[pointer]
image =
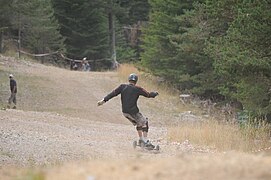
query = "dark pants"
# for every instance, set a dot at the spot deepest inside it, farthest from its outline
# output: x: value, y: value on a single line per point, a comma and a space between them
x: 12, y: 99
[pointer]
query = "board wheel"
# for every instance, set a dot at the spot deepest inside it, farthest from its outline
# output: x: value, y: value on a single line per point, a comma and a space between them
x: 157, y: 148
x: 142, y: 145
x: 134, y: 144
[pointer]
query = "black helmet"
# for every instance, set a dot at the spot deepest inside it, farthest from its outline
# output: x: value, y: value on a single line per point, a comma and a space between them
x: 133, y: 77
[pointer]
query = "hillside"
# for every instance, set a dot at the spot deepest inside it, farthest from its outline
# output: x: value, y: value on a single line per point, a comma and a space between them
x: 58, y: 132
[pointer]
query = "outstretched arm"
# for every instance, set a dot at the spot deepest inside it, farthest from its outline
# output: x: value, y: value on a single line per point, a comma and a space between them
x: 147, y: 94
x: 114, y: 93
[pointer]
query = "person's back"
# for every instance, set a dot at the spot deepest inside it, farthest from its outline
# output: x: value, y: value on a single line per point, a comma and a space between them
x: 129, y: 97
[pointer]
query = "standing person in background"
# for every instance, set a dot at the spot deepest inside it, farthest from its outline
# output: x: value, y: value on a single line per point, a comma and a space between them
x: 13, y: 89
x: 83, y: 64
x: 74, y: 65
x: 87, y: 67
x: 129, y: 96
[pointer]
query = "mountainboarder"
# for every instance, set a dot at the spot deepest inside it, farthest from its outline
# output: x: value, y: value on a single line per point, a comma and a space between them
x: 129, y: 96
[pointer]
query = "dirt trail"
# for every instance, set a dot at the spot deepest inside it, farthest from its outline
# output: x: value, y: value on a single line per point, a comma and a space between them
x: 58, y: 125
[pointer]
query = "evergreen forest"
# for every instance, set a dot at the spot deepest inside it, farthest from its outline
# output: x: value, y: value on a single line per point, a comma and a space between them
x: 214, y: 49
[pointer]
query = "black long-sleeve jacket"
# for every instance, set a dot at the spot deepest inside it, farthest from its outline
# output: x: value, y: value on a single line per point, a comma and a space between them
x: 129, y: 96
x: 13, y: 86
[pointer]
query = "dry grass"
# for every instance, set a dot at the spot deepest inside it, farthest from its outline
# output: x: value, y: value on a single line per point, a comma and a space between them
x: 223, y: 136
x: 10, y: 48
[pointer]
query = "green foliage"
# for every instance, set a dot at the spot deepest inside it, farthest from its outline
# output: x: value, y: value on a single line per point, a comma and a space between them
x: 160, y: 55
x: 84, y: 25
x: 175, y: 43
x: 138, y: 11
x: 42, y: 32
x: 213, y: 49
x: 4, y: 15
x: 37, y: 25
x: 132, y: 15
x: 125, y: 54
x: 4, y: 19
x: 242, y: 55
x: 252, y: 92
x: 190, y: 42
x: 131, y: 11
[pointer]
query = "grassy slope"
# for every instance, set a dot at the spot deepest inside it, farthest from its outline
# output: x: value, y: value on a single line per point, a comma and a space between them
x: 46, y: 88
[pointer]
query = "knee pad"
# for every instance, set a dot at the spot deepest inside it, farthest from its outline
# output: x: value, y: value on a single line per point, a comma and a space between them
x: 139, y: 128
x: 146, y: 129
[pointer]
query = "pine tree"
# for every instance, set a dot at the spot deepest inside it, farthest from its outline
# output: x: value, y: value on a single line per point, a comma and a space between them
x: 139, y: 11
x: 43, y: 34
x: 38, y: 31
x: 132, y: 15
x: 160, y: 55
x: 84, y: 26
x: 195, y: 70
x: 242, y: 55
x: 4, y: 19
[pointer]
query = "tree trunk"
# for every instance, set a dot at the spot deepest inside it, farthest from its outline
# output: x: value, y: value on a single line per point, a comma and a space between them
x: 112, y: 35
x: 19, y: 36
x: 19, y: 42
x: 1, y: 41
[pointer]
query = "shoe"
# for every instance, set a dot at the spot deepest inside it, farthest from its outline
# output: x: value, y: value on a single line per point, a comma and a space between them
x: 141, y: 142
x: 146, y: 144
x: 149, y: 145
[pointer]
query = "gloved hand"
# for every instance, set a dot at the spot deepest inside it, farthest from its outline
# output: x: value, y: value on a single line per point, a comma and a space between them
x: 153, y: 94
x: 101, y: 102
